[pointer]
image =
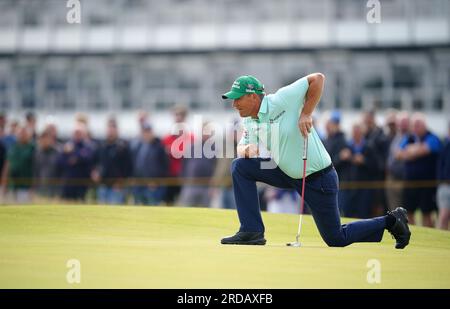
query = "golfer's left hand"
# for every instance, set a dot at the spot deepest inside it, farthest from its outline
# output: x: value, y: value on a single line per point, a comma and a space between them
x: 305, y: 123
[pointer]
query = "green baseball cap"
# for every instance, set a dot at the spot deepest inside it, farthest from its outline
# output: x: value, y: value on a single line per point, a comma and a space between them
x: 243, y: 85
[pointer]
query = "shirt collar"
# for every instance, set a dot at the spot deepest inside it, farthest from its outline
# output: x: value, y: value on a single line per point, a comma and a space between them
x: 263, y: 107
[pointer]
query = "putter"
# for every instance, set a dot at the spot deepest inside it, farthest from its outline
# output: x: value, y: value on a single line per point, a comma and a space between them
x: 296, y: 243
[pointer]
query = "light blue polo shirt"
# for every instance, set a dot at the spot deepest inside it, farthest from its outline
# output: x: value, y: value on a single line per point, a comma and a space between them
x: 276, y: 130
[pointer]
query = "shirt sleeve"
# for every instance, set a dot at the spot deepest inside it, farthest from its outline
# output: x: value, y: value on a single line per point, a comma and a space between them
x: 295, y: 92
x: 433, y: 144
x: 403, y: 143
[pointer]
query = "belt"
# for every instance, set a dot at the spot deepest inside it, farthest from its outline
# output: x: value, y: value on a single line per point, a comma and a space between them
x: 321, y: 172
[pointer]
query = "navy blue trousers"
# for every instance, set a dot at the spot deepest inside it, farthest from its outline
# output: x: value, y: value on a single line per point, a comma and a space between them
x: 320, y: 196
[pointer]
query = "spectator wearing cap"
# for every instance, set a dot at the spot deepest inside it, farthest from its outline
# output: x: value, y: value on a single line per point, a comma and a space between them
x: 420, y: 152
x: 113, y: 167
x: 150, y: 163
x: 443, y: 193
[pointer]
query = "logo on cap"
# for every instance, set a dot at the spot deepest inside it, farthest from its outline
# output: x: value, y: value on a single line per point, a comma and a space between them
x: 250, y: 88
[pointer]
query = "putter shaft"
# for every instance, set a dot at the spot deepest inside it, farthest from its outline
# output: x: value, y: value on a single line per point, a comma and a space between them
x: 305, y: 157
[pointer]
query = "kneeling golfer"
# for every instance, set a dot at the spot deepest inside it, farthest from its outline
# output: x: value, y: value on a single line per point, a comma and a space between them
x: 290, y: 111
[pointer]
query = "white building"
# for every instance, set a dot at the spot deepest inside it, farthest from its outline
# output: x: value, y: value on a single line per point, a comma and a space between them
x: 132, y: 54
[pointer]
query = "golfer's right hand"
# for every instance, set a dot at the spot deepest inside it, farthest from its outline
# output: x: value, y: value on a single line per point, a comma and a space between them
x: 305, y: 123
x: 248, y: 151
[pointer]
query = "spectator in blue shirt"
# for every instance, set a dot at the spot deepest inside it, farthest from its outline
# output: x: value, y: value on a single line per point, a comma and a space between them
x: 443, y: 195
x: 420, y: 152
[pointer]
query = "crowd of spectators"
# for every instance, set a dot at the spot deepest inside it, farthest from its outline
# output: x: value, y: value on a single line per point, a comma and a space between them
x: 146, y: 170
x: 400, y: 163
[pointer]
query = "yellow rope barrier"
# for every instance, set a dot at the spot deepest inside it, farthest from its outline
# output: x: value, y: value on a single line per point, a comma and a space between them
x: 206, y: 181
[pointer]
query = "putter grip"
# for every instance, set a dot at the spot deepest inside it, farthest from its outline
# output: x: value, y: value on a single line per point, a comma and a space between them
x: 305, y: 148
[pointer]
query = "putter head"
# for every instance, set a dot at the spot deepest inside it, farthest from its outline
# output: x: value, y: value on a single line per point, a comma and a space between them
x: 293, y: 244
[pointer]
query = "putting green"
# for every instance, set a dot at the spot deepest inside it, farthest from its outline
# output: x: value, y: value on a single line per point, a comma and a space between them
x: 169, y: 247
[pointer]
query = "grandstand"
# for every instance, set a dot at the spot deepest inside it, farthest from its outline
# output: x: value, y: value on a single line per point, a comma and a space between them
x: 131, y: 54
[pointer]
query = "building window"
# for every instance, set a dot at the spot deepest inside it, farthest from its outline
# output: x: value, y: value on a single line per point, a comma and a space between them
x: 26, y: 85
x: 122, y: 85
x: 406, y: 76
